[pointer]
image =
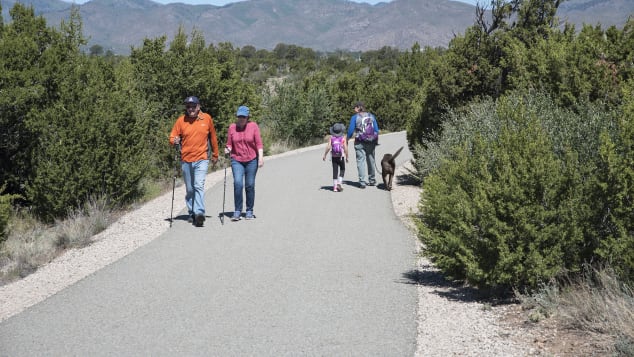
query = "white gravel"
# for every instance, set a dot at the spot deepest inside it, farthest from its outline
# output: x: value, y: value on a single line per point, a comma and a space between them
x: 450, y: 322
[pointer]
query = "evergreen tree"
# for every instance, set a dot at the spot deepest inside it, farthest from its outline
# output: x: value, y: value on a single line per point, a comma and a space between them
x: 25, y: 88
x: 88, y: 141
x: 299, y: 111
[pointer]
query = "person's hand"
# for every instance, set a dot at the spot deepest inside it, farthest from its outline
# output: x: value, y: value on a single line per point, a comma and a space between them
x: 227, y: 150
x: 214, y: 161
x: 260, y: 162
x: 324, y: 158
x: 177, y: 140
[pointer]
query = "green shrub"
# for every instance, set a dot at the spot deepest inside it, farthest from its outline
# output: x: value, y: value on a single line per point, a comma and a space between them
x: 458, y: 126
x: 501, y: 211
x: 567, y: 129
x: 613, y: 195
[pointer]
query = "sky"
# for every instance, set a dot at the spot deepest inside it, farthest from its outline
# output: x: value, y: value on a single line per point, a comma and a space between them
x: 224, y: 2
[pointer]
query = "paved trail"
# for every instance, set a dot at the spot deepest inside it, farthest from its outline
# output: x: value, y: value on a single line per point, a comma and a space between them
x: 317, y: 273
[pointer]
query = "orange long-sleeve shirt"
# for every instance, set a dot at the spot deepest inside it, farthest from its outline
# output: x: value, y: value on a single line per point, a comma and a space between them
x: 194, y: 134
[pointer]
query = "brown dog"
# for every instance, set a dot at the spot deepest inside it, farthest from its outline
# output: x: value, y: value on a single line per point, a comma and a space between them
x: 388, y: 166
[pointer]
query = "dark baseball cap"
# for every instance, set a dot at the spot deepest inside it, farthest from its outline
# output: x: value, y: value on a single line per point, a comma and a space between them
x: 192, y: 100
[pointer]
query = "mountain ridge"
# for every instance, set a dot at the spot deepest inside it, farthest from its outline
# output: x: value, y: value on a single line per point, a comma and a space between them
x: 323, y: 25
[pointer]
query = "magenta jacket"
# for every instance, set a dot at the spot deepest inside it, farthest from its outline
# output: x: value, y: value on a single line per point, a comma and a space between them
x: 244, y: 144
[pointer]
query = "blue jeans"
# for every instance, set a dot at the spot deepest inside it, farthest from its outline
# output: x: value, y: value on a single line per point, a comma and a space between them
x: 194, y: 174
x: 244, y: 178
x: 364, y: 152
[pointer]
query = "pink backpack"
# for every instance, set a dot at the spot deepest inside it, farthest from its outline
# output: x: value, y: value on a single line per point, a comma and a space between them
x: 336, y: 144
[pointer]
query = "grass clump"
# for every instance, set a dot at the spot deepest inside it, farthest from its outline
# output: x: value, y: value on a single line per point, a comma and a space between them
x: 595, y: 302
x: 31, y: 243
x: 599, y: 302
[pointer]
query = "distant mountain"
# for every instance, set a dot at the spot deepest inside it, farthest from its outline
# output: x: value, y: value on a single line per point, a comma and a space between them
x: 319, y: 24
x: 593, y: 12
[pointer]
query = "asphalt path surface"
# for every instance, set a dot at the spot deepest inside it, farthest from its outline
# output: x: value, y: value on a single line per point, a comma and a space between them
x: 317, y: 273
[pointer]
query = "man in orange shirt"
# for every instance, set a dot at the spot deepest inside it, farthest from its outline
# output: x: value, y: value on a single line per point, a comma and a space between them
x: 193, y: 133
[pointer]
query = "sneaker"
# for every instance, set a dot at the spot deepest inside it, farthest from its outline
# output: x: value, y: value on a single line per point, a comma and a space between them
x: 190, y: 219
x: 249, y: 215
x: 372, y: 184
x: 362, y: 186
x: 334, y: 188
x: 200, y: 219
x: 236, y: 216
x: 339, y: 187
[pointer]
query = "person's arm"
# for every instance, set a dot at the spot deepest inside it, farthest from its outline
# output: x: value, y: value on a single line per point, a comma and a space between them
x: 259, y: 144
x: 376, y: 125
x: 351, y: 127
x: 175, y: 134
x: 260, y: 157
x: 345, y: 149
x: 328, y: 144
x: 229, y: 144
x: 214, y: 140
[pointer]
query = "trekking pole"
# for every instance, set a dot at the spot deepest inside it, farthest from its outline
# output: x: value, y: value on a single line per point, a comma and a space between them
x: 224, y: 190
x: 176, y: 160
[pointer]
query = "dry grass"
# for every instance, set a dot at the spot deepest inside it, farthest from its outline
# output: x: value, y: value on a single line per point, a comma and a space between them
x: 78, y: 229
x: 279, y: 147
x: 600, y: 303
x: 30, y: 244
x: 596, y: 303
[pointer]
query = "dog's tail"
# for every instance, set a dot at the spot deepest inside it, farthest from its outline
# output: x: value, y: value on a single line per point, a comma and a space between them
x: 396, y: 154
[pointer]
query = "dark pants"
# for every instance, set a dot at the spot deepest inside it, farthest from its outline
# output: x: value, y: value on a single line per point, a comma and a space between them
x: 338, y: 167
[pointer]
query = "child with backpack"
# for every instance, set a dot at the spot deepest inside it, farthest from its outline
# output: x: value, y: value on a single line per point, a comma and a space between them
x: 338, y: 146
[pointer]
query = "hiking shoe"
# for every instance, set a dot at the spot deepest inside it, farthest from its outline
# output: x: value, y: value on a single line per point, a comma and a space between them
x: 200, y: 219
x: 236, y: 216
x: 249, y: 215
x: 339, y: 187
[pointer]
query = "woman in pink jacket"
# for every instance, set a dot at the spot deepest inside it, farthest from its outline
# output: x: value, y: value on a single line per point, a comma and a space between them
x: 244, y: 143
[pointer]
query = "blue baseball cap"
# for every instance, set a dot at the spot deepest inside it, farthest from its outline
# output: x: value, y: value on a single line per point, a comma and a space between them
x: 192, y: 100
x: 243, y: 111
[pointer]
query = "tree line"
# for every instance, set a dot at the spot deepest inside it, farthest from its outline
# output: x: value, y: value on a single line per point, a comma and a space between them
x: 522, y: 128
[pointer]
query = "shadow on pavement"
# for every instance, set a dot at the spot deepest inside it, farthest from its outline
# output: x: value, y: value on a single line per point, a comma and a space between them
x: 182, y: 217
x: 430, y: 276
